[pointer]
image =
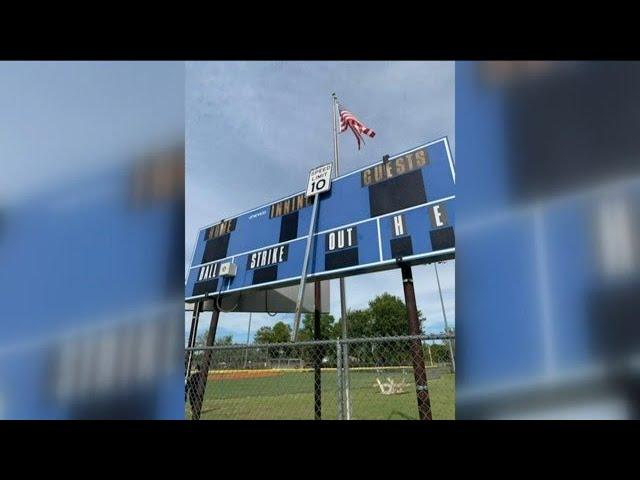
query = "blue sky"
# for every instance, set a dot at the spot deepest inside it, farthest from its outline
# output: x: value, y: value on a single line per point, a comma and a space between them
x: 254, y: 129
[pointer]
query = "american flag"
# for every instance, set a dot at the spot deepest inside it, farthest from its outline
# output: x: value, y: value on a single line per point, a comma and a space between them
x: 349, y: 120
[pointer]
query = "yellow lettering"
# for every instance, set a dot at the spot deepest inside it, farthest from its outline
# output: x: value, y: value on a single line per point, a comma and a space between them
x: 378, y: 173
x: 410, y: 161
x: 421, y: 158
x: 400, y: 168
x: 389, y: 170
x: 366, y: 177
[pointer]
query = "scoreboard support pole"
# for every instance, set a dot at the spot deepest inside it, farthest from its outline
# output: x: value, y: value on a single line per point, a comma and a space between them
x: 206, y: 364
x: 305, y: 267
x: 415, y: 345
x: 317, y: 364
x: 195, y: 318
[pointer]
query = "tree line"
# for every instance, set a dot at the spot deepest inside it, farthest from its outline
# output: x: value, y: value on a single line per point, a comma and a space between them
x: 385, y: 316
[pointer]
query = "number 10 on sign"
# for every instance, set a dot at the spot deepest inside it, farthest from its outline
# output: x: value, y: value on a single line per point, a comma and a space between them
x: 319, y: 180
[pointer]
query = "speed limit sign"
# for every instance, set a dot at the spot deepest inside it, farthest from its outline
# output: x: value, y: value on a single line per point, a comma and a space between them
x: 319, y: 180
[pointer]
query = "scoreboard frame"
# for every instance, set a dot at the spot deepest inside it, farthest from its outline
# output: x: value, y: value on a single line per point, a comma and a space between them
x: 379, y: 265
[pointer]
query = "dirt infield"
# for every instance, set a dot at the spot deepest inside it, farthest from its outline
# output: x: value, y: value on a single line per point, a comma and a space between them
x: 243, y: 374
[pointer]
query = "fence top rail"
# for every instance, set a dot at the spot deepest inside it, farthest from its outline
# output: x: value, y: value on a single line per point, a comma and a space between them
x: 431, y: 336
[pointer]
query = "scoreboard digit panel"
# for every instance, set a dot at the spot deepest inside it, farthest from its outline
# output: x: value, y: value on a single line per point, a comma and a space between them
x: 400, y: 207
x: 428, y: 227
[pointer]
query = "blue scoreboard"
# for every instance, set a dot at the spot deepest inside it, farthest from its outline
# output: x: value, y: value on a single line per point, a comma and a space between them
x: 399, y: 208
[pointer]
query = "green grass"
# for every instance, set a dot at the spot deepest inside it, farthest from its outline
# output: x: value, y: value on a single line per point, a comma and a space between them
x: 290, y: 396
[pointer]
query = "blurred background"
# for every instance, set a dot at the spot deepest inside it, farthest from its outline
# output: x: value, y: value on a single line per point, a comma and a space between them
x: 91, y: 239
x: 548, y: 264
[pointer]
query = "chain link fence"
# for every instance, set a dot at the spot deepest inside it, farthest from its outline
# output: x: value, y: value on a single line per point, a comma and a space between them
x: 361, y: 378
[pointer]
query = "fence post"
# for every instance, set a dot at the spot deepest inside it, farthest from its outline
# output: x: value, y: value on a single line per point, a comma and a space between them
x: 340, y: 379
x: 206, y: 363
x: 317, y: 372
x: 346, y: 393
x: 417, y: 355
x: 193, y: 333
x: 444, y: 315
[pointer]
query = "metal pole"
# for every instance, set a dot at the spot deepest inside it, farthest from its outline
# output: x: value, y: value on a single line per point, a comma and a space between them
x: 345, y: 350
x: 318, y: 354
x: 343, y: 294
x: 339, y: 376
x: 446, y: 326
x: 206, y: 364
x: 193, y: 332
x: 246, y: 352
x: 303, y: 278
x: 335, y: 133
x: 417, y: 354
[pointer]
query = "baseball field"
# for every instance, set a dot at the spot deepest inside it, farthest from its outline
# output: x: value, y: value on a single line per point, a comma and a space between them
x: 288, y: 394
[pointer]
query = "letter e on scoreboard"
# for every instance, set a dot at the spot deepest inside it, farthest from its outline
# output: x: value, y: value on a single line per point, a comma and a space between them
x: 438, y: 215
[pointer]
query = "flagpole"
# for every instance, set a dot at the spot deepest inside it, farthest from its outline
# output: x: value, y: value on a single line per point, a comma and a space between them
x: 343, y: 298
x: 335, y: 135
